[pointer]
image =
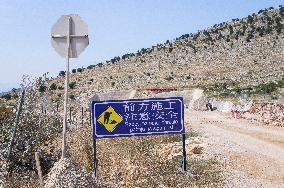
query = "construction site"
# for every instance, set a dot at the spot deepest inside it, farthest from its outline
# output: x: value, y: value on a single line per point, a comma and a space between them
x: 231, y: 79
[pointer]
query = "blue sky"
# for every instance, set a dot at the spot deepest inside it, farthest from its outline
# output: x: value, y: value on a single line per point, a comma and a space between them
x: 116, y: 27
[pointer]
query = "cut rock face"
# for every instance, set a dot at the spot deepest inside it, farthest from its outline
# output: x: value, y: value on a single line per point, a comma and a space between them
x: 193, y: 99
x: 117, y: 95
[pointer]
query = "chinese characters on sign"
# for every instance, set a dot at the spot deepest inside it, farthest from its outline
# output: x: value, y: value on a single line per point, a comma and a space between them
x: 138, y: 117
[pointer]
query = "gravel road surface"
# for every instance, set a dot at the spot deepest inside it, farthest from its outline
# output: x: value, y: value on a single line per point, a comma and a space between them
x: 252, y: 153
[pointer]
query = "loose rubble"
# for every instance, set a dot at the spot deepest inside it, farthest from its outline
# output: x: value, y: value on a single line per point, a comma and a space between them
x: 65, y: 173
x: 268, y: 113
x: 196, y: 60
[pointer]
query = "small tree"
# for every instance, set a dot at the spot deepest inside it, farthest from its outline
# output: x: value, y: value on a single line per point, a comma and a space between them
x: 90, y: 66
x: 228, y: 38
x: 281, y: 11
x: 79, y: 70
x: 219, y: 36
x: 268, y: 29
x: 231, y: 29
x: 260, y: 11
x: 72, y: 85
x: 42, y: 88
x: 169, y: 78
x: 73, y: 71
x: 250, y: 36
x: 72, y: 97
x: 60, y: 88
x: 250, y: 19
x: 62, y: 73
x: 7, y: 96
x: 53, y: 86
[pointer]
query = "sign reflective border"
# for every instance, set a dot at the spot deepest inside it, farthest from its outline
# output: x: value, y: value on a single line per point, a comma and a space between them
x: 138, y: 117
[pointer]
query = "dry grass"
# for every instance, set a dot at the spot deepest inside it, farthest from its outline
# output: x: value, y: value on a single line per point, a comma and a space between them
x: 134, y: 161
x: 16, y: 181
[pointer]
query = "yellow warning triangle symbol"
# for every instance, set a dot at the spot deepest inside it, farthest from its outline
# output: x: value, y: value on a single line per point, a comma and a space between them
x: 110, y: 119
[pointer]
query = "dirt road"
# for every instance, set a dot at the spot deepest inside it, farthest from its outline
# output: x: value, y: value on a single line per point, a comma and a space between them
x: 252, y: 154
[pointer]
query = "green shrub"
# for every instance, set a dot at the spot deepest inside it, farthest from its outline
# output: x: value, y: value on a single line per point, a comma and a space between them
x: 280, y: 83
x: 72, y: 85
x: 60, y: 87
x: 72, y: 96
x: 53, y: 86
x: 79, y: 70
x: 169, y: 78
x: 267, y: 88
x: 42, y: 88
x: 62, y: 73
x: 7, y: 96
x: 250, y: 19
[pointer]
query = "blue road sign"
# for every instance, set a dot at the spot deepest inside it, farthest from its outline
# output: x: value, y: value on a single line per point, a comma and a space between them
x: 138, y: 117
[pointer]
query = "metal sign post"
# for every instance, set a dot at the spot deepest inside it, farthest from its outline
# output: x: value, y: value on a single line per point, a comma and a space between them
x: 138, y: 117
x: 16, y: 122
x: 69, y: 37
x: 183, y: 153
x: 66, y: 92
x: 82, y: 116
x: 95, y: 158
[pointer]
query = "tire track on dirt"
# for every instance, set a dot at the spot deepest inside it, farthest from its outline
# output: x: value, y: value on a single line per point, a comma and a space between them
x: 255, y: 152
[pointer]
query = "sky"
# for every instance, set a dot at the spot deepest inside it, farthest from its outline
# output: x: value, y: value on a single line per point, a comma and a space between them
x: 116, y: 27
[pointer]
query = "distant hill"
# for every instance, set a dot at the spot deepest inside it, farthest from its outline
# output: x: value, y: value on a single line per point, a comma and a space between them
x: 7, y: 92
x: 243, y: 54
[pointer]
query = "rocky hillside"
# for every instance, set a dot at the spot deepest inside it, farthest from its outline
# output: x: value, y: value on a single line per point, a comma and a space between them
x: 242, y: 54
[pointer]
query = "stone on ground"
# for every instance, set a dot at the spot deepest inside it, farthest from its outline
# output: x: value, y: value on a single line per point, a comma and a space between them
x: 67, y: 174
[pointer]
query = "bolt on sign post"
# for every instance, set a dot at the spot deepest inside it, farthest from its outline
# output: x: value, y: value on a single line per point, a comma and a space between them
x: 138, y: 117
x: 69, y: 37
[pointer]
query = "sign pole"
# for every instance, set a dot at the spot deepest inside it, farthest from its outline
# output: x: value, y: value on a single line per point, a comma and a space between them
x: 94, y: 149
x: 90, y: 120
x: 183, y: 153
x: 82, y: 114
x: 61, y: 40
x: 155, y: 113
x: 66, y: 92
x: 16, y: 122
x: 70, y: 114
x: 95, y: 157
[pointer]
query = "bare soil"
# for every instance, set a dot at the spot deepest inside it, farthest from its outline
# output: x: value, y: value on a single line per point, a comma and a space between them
x: 252, y: 153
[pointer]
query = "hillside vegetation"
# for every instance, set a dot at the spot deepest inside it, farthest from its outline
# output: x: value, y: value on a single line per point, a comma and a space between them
x: 244, y: 54
x: 229, y: 59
